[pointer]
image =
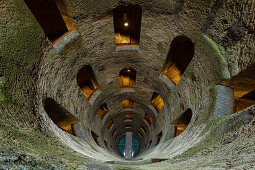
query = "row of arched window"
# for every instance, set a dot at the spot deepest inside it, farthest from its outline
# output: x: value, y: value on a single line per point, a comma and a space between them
x: 126, y: 18
x: 127, y: 25
x: 87, y: 82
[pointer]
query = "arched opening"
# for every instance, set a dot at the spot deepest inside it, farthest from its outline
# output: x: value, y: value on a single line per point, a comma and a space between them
x: 127, y: 116
x: 159, y: 136
x: 127, y: 25
x: 110, y: 123
x: 182, y: 122
x: 102, y: 111
x: 86, y: 80
x: 243, y: 86
x: 53, y: 16
x: 95, y: 137
x: 148, y: 118
x: 127, y: 78
x: 157, y: 101
x: 59, y: 115
x: 127, y: 103
x: 179, y: 57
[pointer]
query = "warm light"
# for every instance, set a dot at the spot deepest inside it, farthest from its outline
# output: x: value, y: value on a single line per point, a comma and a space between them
x: 128, y: 70
x: 126, y: 24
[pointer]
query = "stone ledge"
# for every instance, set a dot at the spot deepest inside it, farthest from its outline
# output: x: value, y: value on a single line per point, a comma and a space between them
x: 67, y: 38
x: 167, y: 81
x: 94, y: 96
x: 127, y: 47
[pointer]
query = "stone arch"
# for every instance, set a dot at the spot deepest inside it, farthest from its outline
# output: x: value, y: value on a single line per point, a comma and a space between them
x: 127, y: 26
x: 179, y: 57
x: 102, y: 111
x: 127, y: 78
x: 157, y: 101
x: 182, y: 122
x: 59, y: 115
x: 86, y: 80
x: 54, y: 17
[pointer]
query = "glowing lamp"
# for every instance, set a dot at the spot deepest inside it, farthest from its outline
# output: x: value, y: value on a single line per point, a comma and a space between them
x: 126, y: 24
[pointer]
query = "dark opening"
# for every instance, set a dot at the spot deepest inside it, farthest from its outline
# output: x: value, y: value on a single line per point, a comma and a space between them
x: 49, y: 17
x: 128, y: 117
x: 127, y: 126
x: 86, y: 80
x: 127, y: 78
x: 157, y: 101
x: 159, y: 136
x: 109, y: 124
x: 102, y: 111
x: 182, y: 122
x: 148, y: 118
x: 127, y: 24
x: 95, y: 137
x: 150, y: 142
x: 59, y: 115
x: 105, y: 143
x: 179, y: 57
x: 127, y: 103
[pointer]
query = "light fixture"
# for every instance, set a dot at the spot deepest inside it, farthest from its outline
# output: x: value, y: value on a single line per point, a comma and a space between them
x: 126, y: 24
x: 125, y: 20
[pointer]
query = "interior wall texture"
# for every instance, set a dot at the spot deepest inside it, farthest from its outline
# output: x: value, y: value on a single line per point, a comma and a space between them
x: 31, y: 70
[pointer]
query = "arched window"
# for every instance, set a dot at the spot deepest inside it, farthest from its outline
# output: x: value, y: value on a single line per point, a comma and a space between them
x: 109, y: 124
x: 127, y: 103
x: 95, y: 137
x: 127, y: 116
x: 159, y: 136
x: 53, y: 16
x: 148, y: 118
x: 86, y: 80
x: 180, y: 55
x: 157, y: 101
x: 59, y: 115
x: 127, y: 78
x: 127, y: 25
x: 102, y: 111
x: 182, y: 122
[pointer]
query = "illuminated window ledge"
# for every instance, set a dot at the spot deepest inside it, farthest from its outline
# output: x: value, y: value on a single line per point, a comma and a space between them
x: 167, y: 81
x: 120, y: 47
x: 94, y: 96
x: 127, y: 90
x: 67, y: 38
